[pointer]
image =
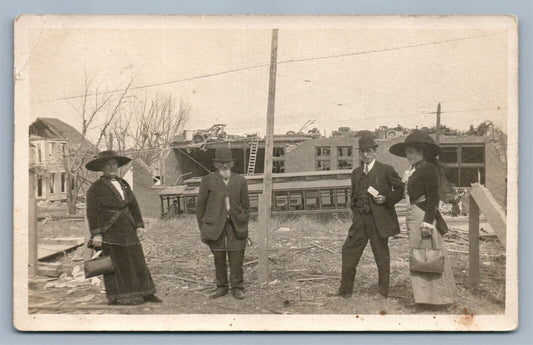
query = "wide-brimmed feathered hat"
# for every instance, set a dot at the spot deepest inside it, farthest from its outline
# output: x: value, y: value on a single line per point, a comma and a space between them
x: 99, y: 161
x: 416, y: 137
x: 223, y: 154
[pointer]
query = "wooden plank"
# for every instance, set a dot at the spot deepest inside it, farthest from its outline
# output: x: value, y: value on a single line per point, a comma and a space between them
x: 87, y: 307
x: 47, y: 249
x: 473, y: 244
x: 262, y: 240
x: 491, y: 209
x: 62, y: 240
x: 48, y: 271
x: 50, y: 264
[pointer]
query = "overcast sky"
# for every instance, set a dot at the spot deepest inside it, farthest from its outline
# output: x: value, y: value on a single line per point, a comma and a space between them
x: 362, y: 91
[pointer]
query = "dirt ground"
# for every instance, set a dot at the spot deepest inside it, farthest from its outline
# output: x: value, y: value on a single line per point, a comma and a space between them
x: 305, y: 263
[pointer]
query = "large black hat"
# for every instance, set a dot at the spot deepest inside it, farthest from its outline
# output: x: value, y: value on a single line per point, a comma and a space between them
x: 223, y: 154
x: 416, y: 137
x: 99, y: 161
x: 367, y: 141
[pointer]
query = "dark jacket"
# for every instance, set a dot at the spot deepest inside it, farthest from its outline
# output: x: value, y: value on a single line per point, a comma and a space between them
x: 425, y: 182
x: 384, y: 178
x: 211, y: 208
x: 116, y: 219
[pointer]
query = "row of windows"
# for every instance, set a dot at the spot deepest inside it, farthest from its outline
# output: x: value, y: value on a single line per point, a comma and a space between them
x: 55, y: 151
x: 52, y: 181
x: 342, y: 164
x: 462, y: 154
x: 464, y: 164
x: 342, y: 151
x: 283, y: 201
x: 329, y: 198
x: 464, y: 177
x: 344, y: 158
x: 310, y: 200
x: 449, y: 154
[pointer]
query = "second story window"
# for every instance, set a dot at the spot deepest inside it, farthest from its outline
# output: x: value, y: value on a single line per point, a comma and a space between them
x: 51, y: 148
x: 322, y: 152
x: 278, y: 152
x: 344, y: 157
x: 39, y: 153
x: 344, y: 151
x: 322, y: 158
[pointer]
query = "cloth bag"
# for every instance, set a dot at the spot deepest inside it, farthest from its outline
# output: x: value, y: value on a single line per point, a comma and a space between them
x: 427, y: 260
x: 102, y: 264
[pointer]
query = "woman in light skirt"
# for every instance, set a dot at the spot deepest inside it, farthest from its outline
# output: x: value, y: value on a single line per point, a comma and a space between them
x: 424, y: 222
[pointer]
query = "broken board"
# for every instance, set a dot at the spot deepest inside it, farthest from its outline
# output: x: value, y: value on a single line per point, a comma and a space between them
x: 48, y: 247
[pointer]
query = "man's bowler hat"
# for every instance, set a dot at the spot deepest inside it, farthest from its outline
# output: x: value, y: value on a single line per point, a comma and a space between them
x: 367, y: 142
x: 223, y: 154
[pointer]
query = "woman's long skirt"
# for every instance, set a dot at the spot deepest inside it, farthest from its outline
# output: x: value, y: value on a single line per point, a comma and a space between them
x: 429, y: 288
x: 131, y: 277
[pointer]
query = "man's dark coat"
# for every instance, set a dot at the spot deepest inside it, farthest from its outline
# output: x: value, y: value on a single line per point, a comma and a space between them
x: 211, y: 207
x: 384, y: 178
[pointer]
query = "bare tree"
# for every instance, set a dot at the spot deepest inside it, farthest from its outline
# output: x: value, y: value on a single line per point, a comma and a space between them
x: 98, y: 110
x: 152, y: 125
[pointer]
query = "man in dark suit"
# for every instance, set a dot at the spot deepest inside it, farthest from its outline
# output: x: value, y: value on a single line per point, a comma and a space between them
x: 376, y: 188
x: 223, y: 212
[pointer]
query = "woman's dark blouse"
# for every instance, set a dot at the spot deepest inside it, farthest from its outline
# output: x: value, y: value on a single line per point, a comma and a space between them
x: 425, y: 181
x: 103, y: 201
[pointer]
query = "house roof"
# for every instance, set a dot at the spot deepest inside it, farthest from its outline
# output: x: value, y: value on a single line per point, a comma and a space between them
x: 52, y: 128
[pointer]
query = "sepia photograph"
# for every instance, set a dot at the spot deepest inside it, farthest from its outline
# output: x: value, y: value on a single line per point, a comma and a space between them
x: 265, y: 173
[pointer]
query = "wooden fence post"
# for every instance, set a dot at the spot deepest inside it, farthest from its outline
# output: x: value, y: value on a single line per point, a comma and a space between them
x: 262, y: 238
x: 32, y: 227
x: 473, y: 243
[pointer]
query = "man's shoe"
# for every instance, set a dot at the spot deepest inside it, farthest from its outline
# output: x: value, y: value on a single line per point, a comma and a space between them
x: 238, y: 293
x: 219, y: 292
x: 152, y: 298
x: 340, y: 294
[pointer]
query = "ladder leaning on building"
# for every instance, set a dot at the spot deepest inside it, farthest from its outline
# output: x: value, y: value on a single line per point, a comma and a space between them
x: 254, y: 146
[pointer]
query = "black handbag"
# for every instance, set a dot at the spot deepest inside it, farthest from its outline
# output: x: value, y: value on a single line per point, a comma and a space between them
x: 102, y: 264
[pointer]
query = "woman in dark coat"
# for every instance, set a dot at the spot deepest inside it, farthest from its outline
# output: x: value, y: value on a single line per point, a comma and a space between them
x: 115, y: 223
x: 424, y: 222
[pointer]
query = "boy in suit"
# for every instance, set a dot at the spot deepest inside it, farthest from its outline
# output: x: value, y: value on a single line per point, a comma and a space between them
x: 376, y: 188
x: 223, y: 212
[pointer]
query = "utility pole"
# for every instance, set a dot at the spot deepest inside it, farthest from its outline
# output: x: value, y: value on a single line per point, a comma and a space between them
x: 265, y: 201
x: 437, y: 128
x: 110, y: 144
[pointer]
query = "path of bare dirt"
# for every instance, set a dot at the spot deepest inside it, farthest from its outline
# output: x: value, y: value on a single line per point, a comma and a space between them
x: 305, y: 264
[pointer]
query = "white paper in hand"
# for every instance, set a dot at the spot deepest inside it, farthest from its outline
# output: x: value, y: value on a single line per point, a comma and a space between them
x: 372, y: 191
x: 96, y: 254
